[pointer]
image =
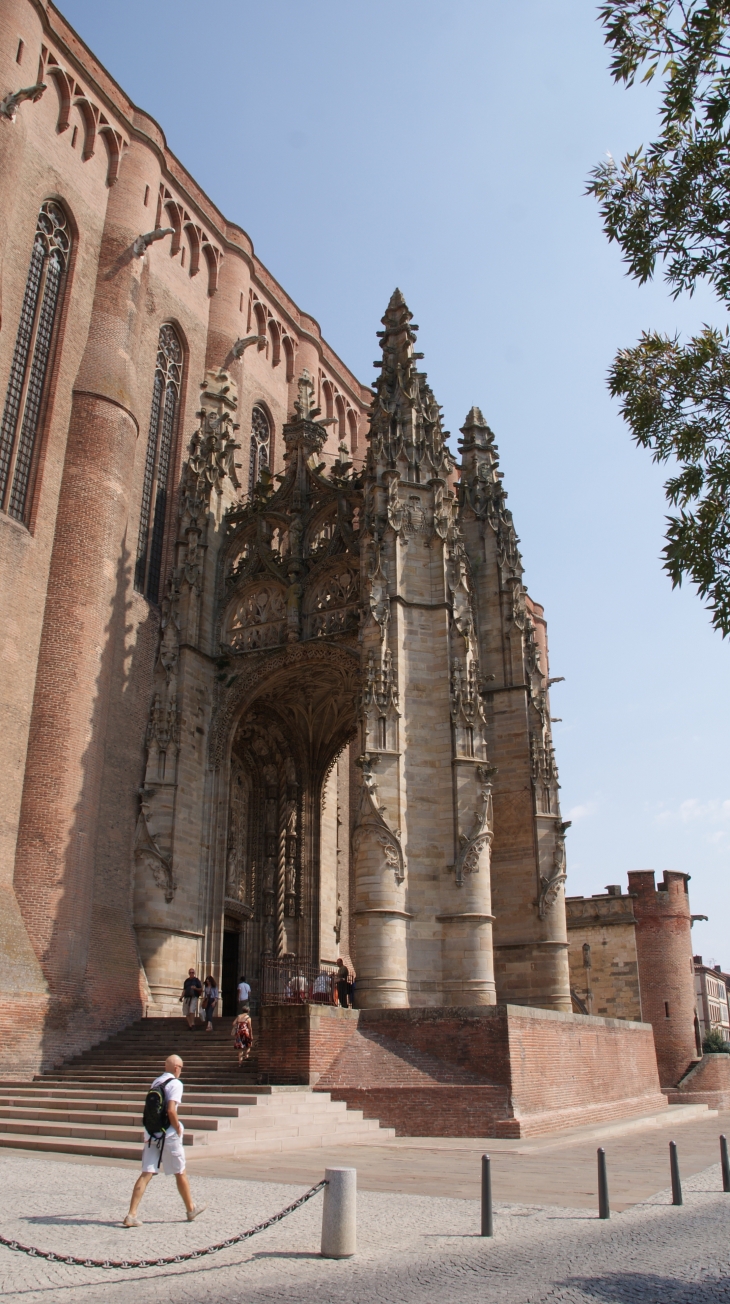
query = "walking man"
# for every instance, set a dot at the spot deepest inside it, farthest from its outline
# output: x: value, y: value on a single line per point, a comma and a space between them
x: 163, y: 1143
x: 244, y: 996
x: 192, y: 987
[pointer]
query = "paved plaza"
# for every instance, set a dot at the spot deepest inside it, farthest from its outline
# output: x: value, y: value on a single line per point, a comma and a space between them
x: 411, y: 1246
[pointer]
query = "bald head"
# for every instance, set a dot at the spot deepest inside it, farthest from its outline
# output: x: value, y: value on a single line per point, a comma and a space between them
x: 173, y: 1064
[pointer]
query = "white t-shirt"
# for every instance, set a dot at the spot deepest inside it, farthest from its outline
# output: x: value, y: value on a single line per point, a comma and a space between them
x: 173, y: 1088
x: 244, y: 991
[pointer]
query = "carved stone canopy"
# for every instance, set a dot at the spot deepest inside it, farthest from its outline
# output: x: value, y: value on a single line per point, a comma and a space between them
x: 290, y: 568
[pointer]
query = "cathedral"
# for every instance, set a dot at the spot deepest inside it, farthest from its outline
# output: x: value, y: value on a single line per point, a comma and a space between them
x: 274, y: 690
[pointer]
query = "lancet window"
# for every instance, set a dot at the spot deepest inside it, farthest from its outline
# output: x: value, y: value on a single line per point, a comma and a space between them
x: 31, y: 359
x: 260, y: 446
x: 163, y: 422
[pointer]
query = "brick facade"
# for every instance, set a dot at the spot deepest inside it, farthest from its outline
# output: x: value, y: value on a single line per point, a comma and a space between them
x: 80, y: 645
x: 303, y: 714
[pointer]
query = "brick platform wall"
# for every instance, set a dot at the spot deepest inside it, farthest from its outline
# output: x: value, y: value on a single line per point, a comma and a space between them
x: 533, y: 1070
x: 298, y: 1043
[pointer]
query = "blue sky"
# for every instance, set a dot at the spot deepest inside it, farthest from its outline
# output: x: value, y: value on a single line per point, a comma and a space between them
x: 443, y: 146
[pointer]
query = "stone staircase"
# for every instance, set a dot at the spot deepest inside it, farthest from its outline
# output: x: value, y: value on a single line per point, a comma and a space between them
x: 93, y: 1104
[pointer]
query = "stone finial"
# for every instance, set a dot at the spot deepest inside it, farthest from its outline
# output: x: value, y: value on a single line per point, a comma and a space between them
x: 475, y: 430
x: 405, y: 432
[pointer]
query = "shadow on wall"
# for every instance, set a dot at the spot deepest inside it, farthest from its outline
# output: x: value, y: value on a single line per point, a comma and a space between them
x: 94, y: 927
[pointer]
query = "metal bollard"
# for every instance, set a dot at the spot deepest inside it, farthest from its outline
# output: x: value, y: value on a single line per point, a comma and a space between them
x: 676, y: 1181
x: 604, y: 1210
x: 339, y: 1224
x: 487, y: 1219
x: 725, y: 1164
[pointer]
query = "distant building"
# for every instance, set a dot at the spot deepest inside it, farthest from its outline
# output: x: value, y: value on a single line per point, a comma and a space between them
x: 604, y: 969
x: 711, y: 987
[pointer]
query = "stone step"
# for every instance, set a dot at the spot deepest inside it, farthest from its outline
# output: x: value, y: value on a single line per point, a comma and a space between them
x: 81, y: 1131
x: 55, y: 1108
x: 215, y: 1096
x: 93, y: 1105
x: 101, y: 1117
x: 72, y: 1146
x: 268, y: 1111
x: 272, y: 1145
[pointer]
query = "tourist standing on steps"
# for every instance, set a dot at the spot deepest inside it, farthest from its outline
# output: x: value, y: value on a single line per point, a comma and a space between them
x: 210, y: 1000
x: 344, y: 986
x: 191, y: 993
x: 163, y: 1145
x: 244, y: 996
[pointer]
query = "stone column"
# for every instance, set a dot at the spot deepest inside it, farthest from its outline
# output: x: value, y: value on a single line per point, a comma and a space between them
x: 528, y: 858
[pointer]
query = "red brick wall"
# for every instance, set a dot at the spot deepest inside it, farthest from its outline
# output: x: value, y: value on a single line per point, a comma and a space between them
x: 573, y: 1062
x: 475, y: 1039
x: 298, y: 1042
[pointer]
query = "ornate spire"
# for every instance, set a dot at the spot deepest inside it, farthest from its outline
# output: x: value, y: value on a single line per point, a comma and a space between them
x: 405, y: 422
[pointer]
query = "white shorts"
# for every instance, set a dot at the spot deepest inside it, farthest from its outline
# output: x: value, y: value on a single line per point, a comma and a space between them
x: 190, y: 1005
x: 173, y: 1156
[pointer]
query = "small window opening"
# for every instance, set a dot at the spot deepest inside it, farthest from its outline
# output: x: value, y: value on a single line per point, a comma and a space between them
x: 182, y: 257
x: 19, y: 55
x: 666, y: 1009
x: 469, y: 741
x: 146, y: 196
x: 74, y: 137
x: 240, y: 302
x: 382, y: 734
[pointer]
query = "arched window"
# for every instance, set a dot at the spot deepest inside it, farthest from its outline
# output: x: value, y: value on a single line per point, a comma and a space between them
x: 163, y: 420
x: 340, y: 414
x: 260, y: 446
x: 33, y: 346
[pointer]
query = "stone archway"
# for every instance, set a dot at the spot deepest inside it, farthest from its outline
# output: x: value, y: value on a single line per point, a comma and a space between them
x: 297, y: 716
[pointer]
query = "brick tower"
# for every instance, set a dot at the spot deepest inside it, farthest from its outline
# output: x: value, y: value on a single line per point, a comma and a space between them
x: 666, y: 969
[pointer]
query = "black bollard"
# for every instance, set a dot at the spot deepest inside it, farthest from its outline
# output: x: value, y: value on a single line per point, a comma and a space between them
x: 604, y: 1210
x: 676, y: 1181
x: 487, y: 1221
x: 725, y: 1163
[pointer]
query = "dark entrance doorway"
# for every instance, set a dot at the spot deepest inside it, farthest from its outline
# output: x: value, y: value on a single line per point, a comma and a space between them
x: 230, y: 977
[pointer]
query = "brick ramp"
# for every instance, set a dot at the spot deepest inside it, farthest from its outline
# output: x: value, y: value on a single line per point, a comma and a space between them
x: 707, y: 1082
x: 414, y: 1092
x: 93, y: 1105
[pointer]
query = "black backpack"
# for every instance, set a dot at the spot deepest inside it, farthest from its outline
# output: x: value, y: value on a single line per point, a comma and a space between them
x: 155, y: 1117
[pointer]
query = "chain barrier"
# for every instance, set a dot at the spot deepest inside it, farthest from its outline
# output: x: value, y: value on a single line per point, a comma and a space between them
x: 52, y: 1257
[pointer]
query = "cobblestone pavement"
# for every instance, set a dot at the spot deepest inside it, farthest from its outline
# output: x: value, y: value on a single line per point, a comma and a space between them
x: 411, y: 1248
